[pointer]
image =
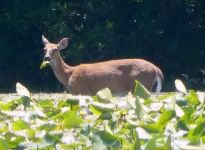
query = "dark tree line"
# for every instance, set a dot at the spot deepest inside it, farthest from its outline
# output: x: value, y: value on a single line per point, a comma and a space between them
x: 170, y: 34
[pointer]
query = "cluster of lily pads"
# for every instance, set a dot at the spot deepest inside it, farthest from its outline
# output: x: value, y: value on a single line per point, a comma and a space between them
x: 137, y: 121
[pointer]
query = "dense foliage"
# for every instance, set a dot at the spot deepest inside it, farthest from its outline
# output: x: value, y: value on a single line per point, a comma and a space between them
x: 169, y: 33
x: 143, y: 121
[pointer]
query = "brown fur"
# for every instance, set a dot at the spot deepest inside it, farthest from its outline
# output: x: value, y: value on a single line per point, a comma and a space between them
x: 118, y: 75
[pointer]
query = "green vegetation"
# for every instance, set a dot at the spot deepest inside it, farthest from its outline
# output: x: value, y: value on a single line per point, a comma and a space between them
x: 104, y: 122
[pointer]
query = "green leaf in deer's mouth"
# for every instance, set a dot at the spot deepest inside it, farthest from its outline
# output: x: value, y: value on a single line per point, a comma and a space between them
x: 44, y: 64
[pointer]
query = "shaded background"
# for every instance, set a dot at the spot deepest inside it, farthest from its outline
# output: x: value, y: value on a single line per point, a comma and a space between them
x: 171, y: 34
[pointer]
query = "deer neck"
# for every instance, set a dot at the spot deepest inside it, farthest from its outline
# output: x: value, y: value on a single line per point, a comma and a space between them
x: 61, y: 70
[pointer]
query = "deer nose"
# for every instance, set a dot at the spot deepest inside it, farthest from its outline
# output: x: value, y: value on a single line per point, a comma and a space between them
x: 47, y: 58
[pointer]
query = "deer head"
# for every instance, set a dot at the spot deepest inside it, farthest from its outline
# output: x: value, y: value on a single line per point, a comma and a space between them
x: 52, y: 50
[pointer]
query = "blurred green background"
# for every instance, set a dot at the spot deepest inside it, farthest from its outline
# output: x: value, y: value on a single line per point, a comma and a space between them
x: 169, y: 33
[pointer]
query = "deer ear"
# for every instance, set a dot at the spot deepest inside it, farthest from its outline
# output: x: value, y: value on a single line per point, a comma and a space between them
x: 45, y: 41
x: 63, y: 43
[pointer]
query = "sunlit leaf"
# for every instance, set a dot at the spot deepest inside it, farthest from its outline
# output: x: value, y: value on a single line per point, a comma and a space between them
x: 104, y: 95
x: 3, y: 144
x: 136, y: 142
x: 155, y: 106
x: 180, y: 86
x: 11, y: 105
x: 98, y: 143
x: 103, y: 107
x: 179, y: 111
x: 199, y: 129
x: 132, y: 122
x: 131, y: 100
x: 108, y: 139
x: 165, y: 117
x: 139, y: 109
x: 72, y: 100
x: 181, y: 124
x: 47, y: 106
x: 166, y: 95
x: 20, y: 125
x: 141, y: 91
x: 44, y: 64
x: 39, y: 111
x: 191, y: 147
x: 70, y: 146
x: 151, y: 128
x: 168, y: 145
x: 151, y: 144
x: 71, y: 120
x: 22, y: 90
x: 192, y: 98
x: 105, y: 116
x: 142, y: 133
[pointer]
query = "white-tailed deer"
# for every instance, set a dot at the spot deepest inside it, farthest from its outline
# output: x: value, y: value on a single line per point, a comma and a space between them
x: 86, y: 79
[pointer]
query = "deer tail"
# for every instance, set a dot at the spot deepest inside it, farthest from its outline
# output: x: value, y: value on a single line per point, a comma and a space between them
x: 158, y: 80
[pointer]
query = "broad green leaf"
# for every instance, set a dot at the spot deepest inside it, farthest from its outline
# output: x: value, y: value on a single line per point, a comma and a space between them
x: 72, y: 146
x: 98, y: 143
x: 155, y: 107
x: 39, y: 111
x: 73, y: 100
x: 13, y: 140
x: 199, y: 129
x: 85, y: 130
x: 180, y: 86
x: 196, y: 134
x: 143, y: 134
x: 151, y: 128
x: 104, y: 95
x: 103, y: 107
x: 46, y: 126
x: 95, y: 111
x: 3, y: 144
x: 20, y: 125
x: 71, y: 120
x: 31, y: 134
x: 136, y: 142
x: 108, y: 128
x: 151, y: 144
x: 46, y: 103
x: 11, y: 105
x: 139, y: 109
x: 105, y: 116
x: 166, y: 95
x: 201, y: 96
x: 47, y: 106
x: 109, y: 139
x: 47, y: 141
x: 165, y: 117
x: 131, y: 100
x: 181, y: 124
x: 192, y: 98
x: 179, y: 111
x: 141, y: 91
x: 168, y: 145
x: 22, y: 90
x: 132, y: 122
x: 54, y: 113
x: 44, y: 64
x: 189, y: 111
